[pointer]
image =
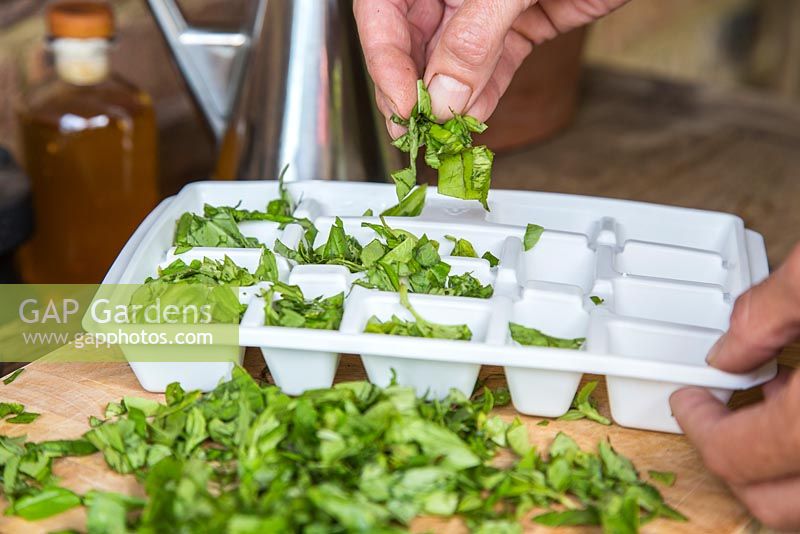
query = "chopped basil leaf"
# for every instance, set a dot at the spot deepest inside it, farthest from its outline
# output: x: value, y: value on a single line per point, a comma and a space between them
x: 13, y: 376
x: 419, y: 327
x: 665, y: 477
x: 410, y: 206
x: 533, y: 337
x: 293, y: 310
x: 583, y: 406
x: 465, y: 171
x: 532, y: 234
x: 24, y: 418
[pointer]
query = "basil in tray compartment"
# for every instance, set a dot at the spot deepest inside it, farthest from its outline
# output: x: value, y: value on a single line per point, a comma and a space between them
x: 293, y: 310
x: 208, y: 286
x: 218, y: 226
x: 536, y: 338
x: 386, y: 261
x: 419, y: 327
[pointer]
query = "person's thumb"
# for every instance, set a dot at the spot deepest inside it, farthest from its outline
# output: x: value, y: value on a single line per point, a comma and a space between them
x: 765, y: 319
x: 467, y: 53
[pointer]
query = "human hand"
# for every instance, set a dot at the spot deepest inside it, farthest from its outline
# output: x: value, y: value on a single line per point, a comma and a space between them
x: 756, y: 449
x: 466, y: 51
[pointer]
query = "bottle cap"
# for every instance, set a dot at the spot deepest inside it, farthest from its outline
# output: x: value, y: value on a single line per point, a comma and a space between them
x: 80, y: 19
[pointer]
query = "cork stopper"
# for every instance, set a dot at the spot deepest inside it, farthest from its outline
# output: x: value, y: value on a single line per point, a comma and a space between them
x: 80, y: 19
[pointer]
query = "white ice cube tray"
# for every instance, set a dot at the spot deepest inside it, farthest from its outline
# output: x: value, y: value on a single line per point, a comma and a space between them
x: 668, y: 277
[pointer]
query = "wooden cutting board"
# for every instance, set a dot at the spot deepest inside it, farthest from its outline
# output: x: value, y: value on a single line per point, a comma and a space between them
x: 66, y: 394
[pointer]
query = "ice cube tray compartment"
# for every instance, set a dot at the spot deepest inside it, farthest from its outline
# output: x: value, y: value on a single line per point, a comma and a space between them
x: 560, y: 257
x: 668, y: 276
x: 674, y: 302
x: 645, y: 403
x: 670, y: 262
x: 558, y: 311
x: 428, y: 377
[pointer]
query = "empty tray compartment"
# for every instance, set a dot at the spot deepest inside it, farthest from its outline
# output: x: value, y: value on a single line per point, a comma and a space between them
x: 642, y: 403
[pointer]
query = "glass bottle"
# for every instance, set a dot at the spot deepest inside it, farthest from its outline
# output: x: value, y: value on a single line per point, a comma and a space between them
x: 89, y: 146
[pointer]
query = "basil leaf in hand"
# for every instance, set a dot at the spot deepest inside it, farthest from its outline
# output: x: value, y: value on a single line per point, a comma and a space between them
x: 465, y: 171
x: 410, y: 206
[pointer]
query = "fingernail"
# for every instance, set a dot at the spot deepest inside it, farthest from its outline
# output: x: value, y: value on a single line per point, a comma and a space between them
x: 714, y: 351
x: 395, y: 130
x: 448, y: 94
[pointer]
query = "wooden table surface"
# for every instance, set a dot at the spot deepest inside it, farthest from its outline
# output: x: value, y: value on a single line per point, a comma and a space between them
x: 634, y: 138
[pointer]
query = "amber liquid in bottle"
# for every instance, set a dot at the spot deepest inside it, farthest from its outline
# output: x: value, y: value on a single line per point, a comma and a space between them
x: 90, y: 152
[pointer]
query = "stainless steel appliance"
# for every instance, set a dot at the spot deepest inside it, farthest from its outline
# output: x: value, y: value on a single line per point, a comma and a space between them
x: 289, y: 88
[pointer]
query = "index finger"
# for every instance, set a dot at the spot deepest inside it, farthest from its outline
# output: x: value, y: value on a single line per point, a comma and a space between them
x: 388, y: 30
x: 764, y: 320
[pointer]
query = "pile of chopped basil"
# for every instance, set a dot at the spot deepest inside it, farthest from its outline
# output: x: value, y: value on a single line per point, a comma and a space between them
x: 465, y: 171
x: 207, y: 283
x: 393, y: 257
x: 293, y: 310
x: 419, y: 327
x: 355, y: 457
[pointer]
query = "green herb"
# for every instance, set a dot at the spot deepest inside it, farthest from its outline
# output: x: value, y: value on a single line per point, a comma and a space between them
x: 218, y: 226
x: 28, y: 482
x: 532, y: 234
x: 597, y: 300
x: 583, y: 406
x: 399, y: 256
x: 466, y: 285
x: 565, y: 518
x: 13, y: 376
x: 410, y: 206
x: 214, y: 272
x: 543, y: 422
x: 219, y: 230
x: 44, y: 503
x: 491, y: 258
x: 394, y: 257
x: 465, y: 171
x: 279, y: 210
x: 461, y: 247
x: 419, y: 327
x: 248, y: 458
x: 664, y: 477
x: 201, y: 285
x: 108, y: 511
x: 8, y: 408
x: 367, y: 213
x: 24, y: 418
x: 293, y: 310
x: 339, y: 249
x: 533, y: 337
